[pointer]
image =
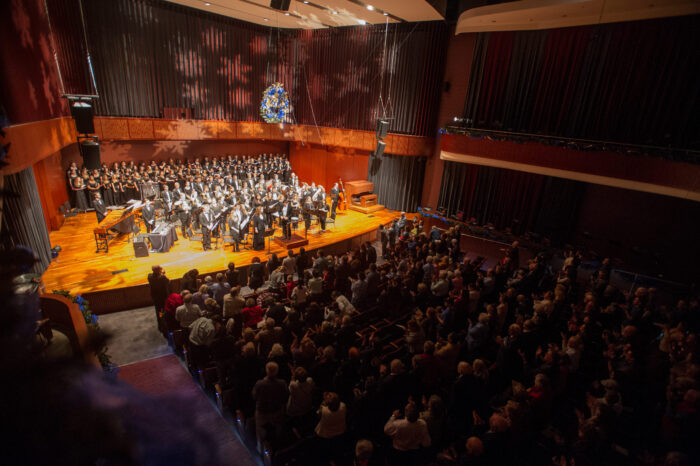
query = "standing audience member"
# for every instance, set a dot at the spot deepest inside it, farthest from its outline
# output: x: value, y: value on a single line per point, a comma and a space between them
x: 270, y: 395
x: 160, y: 289
x: 408, y: 434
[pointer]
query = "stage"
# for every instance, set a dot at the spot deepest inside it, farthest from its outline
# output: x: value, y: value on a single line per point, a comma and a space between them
x: 117, y: 280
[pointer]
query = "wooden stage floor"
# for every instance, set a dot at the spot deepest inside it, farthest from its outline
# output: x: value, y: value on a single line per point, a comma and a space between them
x: 79, y: 269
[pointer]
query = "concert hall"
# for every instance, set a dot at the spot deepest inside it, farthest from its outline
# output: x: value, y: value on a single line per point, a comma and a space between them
x: 350, y: 232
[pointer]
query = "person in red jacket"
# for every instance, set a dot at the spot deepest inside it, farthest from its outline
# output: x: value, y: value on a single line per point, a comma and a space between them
x: 252, y: 314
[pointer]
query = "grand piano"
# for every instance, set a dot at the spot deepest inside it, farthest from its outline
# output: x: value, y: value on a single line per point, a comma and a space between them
x: 360, y: 197
x: 119, y: 221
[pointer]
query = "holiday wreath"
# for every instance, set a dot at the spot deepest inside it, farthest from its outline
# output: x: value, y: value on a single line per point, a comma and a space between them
x: 275, y: 104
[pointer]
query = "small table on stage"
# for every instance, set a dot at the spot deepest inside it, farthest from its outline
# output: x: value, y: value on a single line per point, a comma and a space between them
x: 162, y: 238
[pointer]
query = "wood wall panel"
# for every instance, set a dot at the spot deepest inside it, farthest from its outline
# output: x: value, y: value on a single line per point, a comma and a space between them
x: 226, y: 130
x: 115, y: 128
x: 32, y: 142
x: 162, y: 129
x: 326, y: 166
x: 52, y: 187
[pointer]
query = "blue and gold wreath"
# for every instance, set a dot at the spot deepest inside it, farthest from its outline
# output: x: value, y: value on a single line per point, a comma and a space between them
x: 275, y: 104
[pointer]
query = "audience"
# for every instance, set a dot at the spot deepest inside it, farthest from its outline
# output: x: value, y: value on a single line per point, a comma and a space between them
x: 428, y: 357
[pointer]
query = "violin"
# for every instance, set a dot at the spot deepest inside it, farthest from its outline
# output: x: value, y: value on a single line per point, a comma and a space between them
x: 342, y: 204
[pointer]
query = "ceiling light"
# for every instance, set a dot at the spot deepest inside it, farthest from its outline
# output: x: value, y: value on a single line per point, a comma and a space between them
x: 386, y: 14
x: 370, y: 7
x: 286, y: 14
x: 265, y: 19
x: 335, y: 12
x: 306, y: 1
x: 362, y: 21
x: 207, y: 3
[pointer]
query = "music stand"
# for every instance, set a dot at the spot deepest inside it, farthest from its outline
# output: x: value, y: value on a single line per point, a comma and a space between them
x: 268, y: 234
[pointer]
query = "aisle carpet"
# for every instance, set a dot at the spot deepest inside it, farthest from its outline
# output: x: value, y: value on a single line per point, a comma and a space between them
x: 166, y: 377
x: 133, y: 336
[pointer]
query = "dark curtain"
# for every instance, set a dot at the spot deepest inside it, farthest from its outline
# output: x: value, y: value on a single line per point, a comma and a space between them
x: 23, y: 221
x: 631, y: 82
x: 150, y: 54
x: 71, y: 51
x: 398, y: 180
x: 511, y: 199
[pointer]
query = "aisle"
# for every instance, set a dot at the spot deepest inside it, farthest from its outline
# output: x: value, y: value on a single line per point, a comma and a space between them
x: 166, y: 379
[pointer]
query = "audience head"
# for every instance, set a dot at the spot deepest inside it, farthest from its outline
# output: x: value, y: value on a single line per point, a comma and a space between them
x: 271, y: 369
x: 474, y: 446
x: 498, y: 423
x: 411, y: 413
x: 396, y: 366
x: 363, y: 450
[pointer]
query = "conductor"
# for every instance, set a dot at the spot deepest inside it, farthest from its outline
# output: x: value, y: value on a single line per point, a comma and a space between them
x: 285, y: 215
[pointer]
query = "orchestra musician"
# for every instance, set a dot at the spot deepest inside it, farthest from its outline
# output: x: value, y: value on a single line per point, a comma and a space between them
x: 234, y: 225
x: 259, y: 225
x: 148, y: 213
x: 100, y: 207
x: 335, y: 196
x: 271, y: 208
x: 177, y: 192
x: 167, y: 197
x: 206, y: 220
x: 184, y: 210
x: 307, y: 208
x: 245, y: 223
x: 322, y: 209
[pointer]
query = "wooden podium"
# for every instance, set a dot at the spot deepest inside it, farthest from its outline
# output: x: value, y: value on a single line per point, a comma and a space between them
x: 360, y: 198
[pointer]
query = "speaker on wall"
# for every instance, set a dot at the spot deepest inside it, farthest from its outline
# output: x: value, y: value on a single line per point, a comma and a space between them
x: 82, y: 114
x: 90, y: 150
x: 379, y: 151
x: 282, y: 5
x: 382, y: 128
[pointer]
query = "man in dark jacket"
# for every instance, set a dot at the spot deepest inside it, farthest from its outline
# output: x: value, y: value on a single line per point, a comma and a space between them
x: 270, y: 395
x: 160, y: 289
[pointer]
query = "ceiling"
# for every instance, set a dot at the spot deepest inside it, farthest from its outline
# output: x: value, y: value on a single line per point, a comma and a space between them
x: 549, y: 14
x: 314, y: 14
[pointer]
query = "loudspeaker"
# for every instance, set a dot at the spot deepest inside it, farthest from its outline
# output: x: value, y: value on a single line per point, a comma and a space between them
x: 140, y: 248
x: 382, y: 128
x: 379, y: 151
x: 282, y: 5
x: 82, y: 114
x: 90, y: 150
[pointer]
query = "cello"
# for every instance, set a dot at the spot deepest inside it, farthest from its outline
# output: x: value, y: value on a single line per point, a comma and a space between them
x: 342, y: 202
